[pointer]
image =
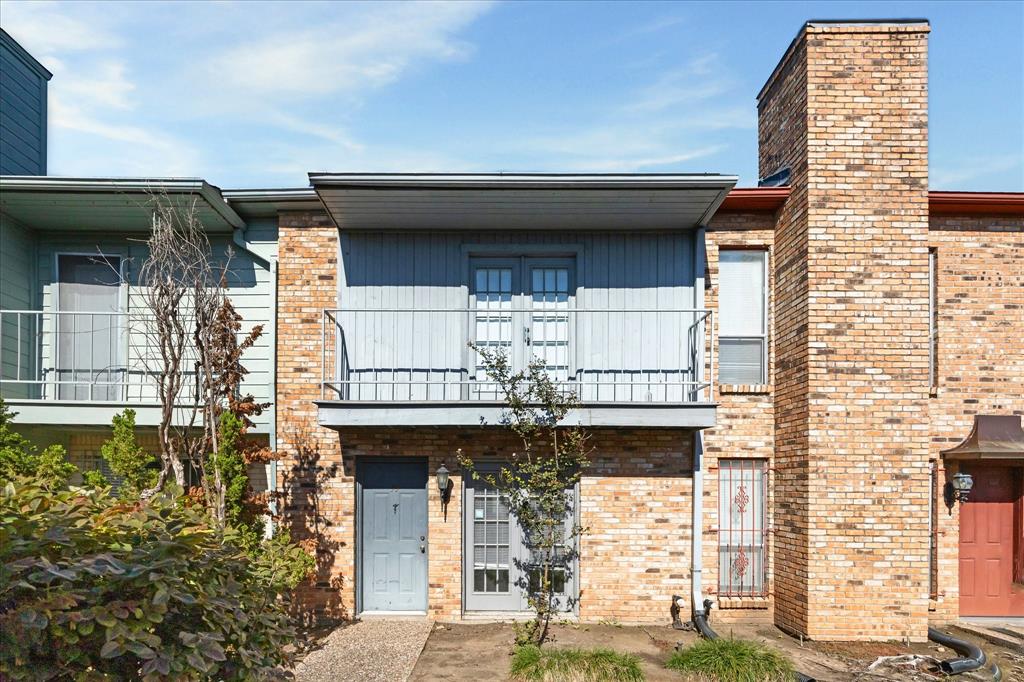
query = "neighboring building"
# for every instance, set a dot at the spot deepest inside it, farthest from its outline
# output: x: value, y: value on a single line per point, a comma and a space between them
x: 75, y: 346
x: 807, y: 356
x: 22, y: 110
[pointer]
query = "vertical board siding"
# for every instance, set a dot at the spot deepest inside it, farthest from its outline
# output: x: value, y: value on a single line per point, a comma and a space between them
x: 631, y: 354
x: 22, y: 117
x: 17, y: 248
x: 249, y: 288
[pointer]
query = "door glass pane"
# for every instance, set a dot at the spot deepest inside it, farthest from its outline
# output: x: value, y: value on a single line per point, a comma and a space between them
x: 491, y: 550
x: 89, y: 331
x: 493, y: 321
x: 549, y: 326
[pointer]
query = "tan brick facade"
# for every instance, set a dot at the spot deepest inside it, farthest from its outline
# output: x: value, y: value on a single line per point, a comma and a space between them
x: 852, y: 332
x: 847, y: 423
x: 980, y: 292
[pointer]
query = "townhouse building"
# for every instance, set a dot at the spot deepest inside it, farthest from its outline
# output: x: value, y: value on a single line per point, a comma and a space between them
x: 786, y: 386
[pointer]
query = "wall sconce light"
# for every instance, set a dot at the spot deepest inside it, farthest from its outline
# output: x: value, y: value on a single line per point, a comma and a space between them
x: 442, y: 474
x: 958, y: 489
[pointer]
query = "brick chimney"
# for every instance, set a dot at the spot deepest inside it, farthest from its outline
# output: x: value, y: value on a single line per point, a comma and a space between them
x: 846, y: 110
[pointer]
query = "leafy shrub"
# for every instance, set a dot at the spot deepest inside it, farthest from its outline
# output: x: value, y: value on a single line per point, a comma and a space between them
x: 18, y: 457
x: 136, y: 468
x: 530, y: 663
x: 91, y: 586
x: 732, y: 660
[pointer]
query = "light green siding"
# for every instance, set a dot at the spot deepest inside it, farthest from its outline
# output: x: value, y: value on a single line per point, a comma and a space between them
x: 17, y: 282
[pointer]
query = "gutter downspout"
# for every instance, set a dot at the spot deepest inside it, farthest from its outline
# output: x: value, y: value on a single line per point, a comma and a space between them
x: 272, y: 426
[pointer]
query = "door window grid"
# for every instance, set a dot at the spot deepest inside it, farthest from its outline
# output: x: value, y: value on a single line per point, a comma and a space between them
x: 493, y: 322
x: 490, y: 541
x: 742, y: 532
x: 549, y: 334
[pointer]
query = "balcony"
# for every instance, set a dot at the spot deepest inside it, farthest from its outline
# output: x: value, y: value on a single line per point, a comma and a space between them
x: 90, y: 364
x: 629, y: 367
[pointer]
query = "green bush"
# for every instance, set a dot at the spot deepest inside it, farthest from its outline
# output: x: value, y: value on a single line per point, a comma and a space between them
x: 732, y: 660
x: 92, y: 587
x: 136, y: 468
x: 530, y: 663
x: 18, y: 457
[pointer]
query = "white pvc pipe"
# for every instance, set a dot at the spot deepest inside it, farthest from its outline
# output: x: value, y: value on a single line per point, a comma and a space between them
x: 697, y: 526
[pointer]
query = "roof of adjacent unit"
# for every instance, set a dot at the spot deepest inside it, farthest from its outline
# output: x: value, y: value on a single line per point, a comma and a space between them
x: 57, y: 203
x: 24, y: 55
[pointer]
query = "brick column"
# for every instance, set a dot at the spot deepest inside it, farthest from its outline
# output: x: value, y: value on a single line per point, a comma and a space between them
x: 847, y: 112
x: 319, y: 491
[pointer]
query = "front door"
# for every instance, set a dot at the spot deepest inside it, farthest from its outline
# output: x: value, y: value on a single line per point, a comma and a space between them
x: 500, y: 568
x: 393, y: 534
x: 988, y: 543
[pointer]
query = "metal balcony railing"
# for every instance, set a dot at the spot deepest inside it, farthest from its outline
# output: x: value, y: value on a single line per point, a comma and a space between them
x: 77, y: 356
x: 608, y: 355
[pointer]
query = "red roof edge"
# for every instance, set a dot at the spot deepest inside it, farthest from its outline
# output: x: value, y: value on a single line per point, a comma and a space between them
x: 939, y: 202
x: 976, y: 202
x: 755, y: 199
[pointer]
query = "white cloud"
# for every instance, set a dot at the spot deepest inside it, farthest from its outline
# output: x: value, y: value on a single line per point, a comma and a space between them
x: 639, y: 164
x: 958, y: 177
x: 700, y: 79
x: 367, y: 48
x: 44, y: 28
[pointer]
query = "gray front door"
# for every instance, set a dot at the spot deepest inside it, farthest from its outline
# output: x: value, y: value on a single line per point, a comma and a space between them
x: 500, y: 568
x: 393, y: 536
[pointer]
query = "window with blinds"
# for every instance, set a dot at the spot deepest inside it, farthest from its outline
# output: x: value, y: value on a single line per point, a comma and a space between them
x: 743, y: 316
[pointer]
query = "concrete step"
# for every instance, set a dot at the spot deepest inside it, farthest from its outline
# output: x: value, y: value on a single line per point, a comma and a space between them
x: 1006, y: 636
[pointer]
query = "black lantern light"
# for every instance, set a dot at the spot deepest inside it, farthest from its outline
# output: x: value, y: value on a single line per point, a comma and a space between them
x: 958, y: 488
x: 442, y: 482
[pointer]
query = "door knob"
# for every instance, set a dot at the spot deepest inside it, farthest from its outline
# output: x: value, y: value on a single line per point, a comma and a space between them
x: 423, y: 549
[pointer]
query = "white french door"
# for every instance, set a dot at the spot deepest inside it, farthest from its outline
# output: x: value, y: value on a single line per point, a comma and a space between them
x: 521, y: 307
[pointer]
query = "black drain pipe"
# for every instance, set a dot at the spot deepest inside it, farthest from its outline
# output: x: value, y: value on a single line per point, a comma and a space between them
x: 971, y: 656
x: 701, y: 625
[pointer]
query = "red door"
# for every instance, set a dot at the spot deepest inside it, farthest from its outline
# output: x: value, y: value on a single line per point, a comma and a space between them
x: 988, y: 545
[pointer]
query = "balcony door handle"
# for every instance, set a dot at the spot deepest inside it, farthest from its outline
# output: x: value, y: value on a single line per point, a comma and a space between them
x: 526, y: 335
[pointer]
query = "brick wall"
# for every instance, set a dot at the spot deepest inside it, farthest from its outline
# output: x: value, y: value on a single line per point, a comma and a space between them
x: 745, y: 424
x: 311, y: 474
x: 980, y: 265
x: 852, y: 323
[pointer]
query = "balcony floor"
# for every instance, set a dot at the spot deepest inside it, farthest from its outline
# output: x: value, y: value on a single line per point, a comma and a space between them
x: 338, y: 414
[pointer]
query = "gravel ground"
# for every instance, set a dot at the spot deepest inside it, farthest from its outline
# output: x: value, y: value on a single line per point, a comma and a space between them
x: 367, y: 651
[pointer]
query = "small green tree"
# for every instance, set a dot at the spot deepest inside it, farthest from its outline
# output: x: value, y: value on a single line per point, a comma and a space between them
x: 538, y: 481
x: 19, y: 457
x: 127, y: 459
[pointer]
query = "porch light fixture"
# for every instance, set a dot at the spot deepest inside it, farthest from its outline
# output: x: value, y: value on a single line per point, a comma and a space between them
x: 442, y: 483
x: 958, y: 488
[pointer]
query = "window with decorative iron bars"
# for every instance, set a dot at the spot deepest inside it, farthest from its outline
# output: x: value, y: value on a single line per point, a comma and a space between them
x: 742, y: 527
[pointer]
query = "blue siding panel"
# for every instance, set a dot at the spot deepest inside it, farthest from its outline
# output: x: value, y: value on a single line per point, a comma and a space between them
x: 22, y: 114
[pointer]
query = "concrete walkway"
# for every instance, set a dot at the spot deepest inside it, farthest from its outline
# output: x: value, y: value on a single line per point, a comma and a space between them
x: 367, y: 651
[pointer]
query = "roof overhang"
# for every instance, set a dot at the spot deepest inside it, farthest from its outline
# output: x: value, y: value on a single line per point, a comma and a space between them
x: 976, y: 203
x: 109, y: 204
x: 993, y: 437
x: 437, y: 201
x: 756, y: 199
x: 266, y: 203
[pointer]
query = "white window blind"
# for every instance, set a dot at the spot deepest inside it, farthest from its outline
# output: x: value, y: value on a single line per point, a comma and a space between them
x: 743, y: 316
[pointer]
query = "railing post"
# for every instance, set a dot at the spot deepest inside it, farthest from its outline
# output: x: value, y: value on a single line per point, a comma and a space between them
x: 323, y: 351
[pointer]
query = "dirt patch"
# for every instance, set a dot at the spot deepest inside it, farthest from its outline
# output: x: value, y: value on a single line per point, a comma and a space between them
x: 465, y: 652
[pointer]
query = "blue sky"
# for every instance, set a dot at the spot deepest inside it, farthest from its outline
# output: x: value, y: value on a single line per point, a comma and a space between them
x: 256, y: 94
